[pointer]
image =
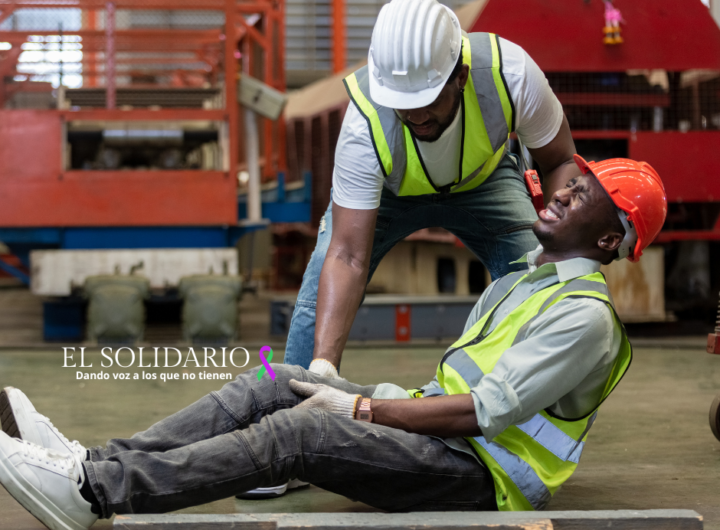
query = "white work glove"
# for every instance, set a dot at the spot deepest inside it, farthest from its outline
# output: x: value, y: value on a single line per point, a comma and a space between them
x: 324, y: 368
x: 326, y: 398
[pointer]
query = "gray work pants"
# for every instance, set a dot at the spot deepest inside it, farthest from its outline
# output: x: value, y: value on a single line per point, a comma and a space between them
x: 247, y: 435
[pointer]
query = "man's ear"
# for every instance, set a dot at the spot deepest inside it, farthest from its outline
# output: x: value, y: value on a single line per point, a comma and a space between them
x: 610, y: 242
x: 463, y: 76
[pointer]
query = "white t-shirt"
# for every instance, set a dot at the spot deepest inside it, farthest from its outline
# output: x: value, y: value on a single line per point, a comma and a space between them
x: 358, y: 179
x: 443, y: 154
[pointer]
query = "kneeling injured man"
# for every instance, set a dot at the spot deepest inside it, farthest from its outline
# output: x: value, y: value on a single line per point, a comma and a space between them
x: 501, y: 426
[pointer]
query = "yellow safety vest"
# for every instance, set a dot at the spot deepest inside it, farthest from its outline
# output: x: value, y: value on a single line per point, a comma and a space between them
x: 528, y: 462
x: 487, y: 121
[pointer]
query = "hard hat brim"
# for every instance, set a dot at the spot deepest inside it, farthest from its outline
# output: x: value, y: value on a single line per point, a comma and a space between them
x: 617, y: 199
x: 395, y: 99
x: 582, y: 164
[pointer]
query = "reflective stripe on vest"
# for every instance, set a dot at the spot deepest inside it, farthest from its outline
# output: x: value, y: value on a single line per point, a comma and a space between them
x: 575, y: 285
x: 468, y: 370
x: 500, y: 289
x: 520, y: 472
x: 553, y: 439
x: 529, y: 461
x: 488, y: 119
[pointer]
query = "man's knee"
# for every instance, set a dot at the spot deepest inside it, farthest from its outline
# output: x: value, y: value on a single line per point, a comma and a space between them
x: 267, y: 391
x: 285, y: 372
x: 299, y: 427
x: 281, y: 374
x: 282, y: 438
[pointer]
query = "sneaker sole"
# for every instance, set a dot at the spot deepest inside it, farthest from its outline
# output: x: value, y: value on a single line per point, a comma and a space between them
x: 16, y: 411
x: 33, y: 500
x: 263, y: 493
x: 296, y: 483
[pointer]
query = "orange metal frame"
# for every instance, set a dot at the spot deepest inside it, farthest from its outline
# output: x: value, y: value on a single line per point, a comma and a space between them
x: 251, y: 41
x: 339, y: 36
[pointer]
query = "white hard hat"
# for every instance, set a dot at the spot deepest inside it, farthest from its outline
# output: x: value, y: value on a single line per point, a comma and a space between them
x: 414, y: 48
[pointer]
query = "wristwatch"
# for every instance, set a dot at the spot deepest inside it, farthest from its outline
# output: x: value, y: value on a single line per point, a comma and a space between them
x: 363, y: 412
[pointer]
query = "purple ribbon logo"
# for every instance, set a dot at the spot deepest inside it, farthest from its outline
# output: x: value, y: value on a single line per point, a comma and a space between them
x: 266, y: 363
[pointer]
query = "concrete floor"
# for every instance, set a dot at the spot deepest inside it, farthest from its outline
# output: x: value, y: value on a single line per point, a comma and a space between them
x: 650, y: 448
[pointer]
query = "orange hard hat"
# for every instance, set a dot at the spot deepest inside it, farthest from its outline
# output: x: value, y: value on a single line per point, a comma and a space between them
x: 636, y: 190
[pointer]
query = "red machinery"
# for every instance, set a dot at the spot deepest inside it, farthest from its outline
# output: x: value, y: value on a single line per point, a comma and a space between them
x: 612, y: 107
x: 607, y: 101
x: 148, y: 67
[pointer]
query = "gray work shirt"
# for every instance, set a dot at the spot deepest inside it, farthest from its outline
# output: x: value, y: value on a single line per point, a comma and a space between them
x: 562, y: 365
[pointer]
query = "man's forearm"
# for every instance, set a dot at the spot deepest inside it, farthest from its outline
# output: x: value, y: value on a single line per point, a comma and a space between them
x: 556, y: 161
x: 340, y: 290
x: 342, y: 279
x: 445, y: 416
x: 558, y: 177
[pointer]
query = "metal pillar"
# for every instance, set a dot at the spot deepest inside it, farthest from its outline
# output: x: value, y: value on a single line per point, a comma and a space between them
x: 252, y: 155
x: 339, y: 39
x: 110, y: 55
x: 92, y: 69
x: 231, y: 71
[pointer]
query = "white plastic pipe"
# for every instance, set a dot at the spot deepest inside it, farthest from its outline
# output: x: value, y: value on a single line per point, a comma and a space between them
x: 252, y: 154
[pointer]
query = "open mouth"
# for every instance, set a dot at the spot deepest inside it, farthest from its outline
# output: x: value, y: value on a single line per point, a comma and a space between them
x: 548, y: 215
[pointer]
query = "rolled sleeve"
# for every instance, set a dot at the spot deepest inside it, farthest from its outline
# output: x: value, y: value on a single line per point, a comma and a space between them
x: 563, y: 347
x: 496, y: 405
x: 390, y: 391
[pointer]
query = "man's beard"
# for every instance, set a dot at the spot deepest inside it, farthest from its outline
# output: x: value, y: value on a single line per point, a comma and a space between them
x: 442, y: 126
x: 546, y: 239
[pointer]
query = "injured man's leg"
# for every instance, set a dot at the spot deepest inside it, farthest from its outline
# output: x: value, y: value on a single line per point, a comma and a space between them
x: 249, y: 434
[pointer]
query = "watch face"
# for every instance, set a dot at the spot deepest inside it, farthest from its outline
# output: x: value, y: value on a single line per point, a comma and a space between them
x: 363, y: 412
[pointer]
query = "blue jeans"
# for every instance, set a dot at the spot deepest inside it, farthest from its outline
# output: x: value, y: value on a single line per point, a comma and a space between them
x: 493, y: 220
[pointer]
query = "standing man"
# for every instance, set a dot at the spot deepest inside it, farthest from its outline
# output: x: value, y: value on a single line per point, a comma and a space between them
x: 423, y: 144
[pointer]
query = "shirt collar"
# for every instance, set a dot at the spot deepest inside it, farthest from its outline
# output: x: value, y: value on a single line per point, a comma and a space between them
x: 566, y: 270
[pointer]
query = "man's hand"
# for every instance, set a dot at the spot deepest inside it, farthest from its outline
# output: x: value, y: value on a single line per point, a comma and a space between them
x: 325, y: 397
x: 324, y: 368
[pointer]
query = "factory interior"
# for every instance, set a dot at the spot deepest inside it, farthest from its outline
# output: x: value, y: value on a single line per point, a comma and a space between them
x: 165, y: 174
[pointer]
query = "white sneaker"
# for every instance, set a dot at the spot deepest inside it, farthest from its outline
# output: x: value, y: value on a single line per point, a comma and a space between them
x: 272, y: 492
x: 19, y: 419
x: 46, y: 483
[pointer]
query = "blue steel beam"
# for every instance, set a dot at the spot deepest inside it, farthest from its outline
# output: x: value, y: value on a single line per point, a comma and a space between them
x: 22, y: 241
x: 280, y: 205
x: 20, y: 275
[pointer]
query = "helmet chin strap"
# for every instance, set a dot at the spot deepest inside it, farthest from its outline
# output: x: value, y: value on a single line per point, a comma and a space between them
x: 628, y: 243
